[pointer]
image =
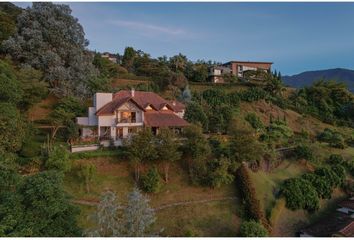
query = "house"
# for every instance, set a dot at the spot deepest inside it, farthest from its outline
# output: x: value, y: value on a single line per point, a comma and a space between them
x: 339, y: 223
x: 238, y: 69
x: 116, y: 116
x: 111, y: 57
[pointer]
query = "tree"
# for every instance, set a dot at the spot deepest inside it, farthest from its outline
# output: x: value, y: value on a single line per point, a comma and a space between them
x: 38, y: 207
x: 141, y: 148
x: 195, y: 114
x: 167, y: 149
x: 10, y: 88
x: 219, y: 172
x: 252, y: 229
x: 274, y: 85
x: 58, y: 159
x: 106, y: 217
x: 128, y: 58
x: 138, y: 215
x: 113, y: 220
x: 12, y: 129
x: 8, y: 15
x: 178, y: 62
x: 50, y: 39
x: 300, y: 194
x: 151, y: 181
x: 87, y: 173
x: 244, y: 147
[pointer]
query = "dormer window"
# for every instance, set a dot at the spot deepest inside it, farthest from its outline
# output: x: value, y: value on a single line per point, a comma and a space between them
x: 148, y: 107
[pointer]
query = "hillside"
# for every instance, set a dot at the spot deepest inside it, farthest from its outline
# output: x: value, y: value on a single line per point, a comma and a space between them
x: 307, y: 78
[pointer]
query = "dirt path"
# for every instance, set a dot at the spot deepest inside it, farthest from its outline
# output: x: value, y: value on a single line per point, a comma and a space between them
x: 163, y: 206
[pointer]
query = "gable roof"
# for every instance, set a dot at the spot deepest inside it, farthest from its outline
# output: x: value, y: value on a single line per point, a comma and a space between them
x: 141, y: 99
x: 163, y: 119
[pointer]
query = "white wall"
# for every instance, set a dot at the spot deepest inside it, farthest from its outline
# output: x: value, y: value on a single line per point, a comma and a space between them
x: 101, y: 99
x: 106, y: 121
x: 92, y: 116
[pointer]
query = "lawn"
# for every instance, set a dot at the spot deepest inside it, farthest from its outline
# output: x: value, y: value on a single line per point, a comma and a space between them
x: 214, y: 218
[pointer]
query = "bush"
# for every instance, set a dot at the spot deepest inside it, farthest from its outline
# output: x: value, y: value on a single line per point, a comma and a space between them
x: 58, y: 159
x: 255, y: 122
x: 253, y: 94
x: 249, y: 197
x: 252, y: 229
x: 304, y: 152
x: 333, y: 138
x: 300, y: 194
x: 151, y: 182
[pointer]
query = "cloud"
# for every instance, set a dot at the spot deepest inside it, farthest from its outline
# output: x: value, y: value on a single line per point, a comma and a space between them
x: 147, y: 28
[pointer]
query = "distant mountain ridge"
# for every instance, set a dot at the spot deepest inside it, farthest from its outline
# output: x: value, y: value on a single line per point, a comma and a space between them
x: 307, y: 78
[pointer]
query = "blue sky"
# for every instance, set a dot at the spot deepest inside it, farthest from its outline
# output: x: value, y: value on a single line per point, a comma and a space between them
x: 295, y: 36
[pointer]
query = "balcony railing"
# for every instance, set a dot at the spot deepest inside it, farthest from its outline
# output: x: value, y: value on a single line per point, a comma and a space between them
x: 126, y: 120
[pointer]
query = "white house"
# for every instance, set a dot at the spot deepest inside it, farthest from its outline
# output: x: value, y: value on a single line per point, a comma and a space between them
x: 114, y: 117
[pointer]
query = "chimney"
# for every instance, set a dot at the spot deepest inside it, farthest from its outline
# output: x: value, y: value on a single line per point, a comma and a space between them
x: 132, y: 92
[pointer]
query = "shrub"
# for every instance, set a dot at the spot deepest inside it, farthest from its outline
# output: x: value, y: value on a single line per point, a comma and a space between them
x: 322, y: 186
x: 87, y: 173
x: 253, y: 94
x: 304, y: 152
x: 336, y: 159
x: 255, y: 122
x: 151, y: 181
x: 300, y: 194
x: 252, y: 229
x: 58, y: 159
x: 333, y: 175
x: 249, y: 197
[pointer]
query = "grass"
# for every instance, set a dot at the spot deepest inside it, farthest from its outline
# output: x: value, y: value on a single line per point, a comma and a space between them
x: 267, y: 184
x: 219, y: 218
x: 98, y: 153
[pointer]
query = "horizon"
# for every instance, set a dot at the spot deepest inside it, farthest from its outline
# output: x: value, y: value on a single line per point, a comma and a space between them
x: 296, y: 37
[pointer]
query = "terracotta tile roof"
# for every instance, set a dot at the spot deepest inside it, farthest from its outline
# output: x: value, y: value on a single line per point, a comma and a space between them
x: 164, y: 118
x: 109, y: 108
x: 348, y: 230
x: 141, y: 99
x: 177, y: 106
x: 347, y: 204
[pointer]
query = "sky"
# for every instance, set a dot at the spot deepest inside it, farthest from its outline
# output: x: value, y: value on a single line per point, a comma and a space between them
x: 297, y: 37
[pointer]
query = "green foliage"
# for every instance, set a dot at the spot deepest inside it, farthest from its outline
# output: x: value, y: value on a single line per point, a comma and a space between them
x: 327, y: 100
x: 333, y: 138
x: 219, y: 172
x: 167, y: 149
x: 141, y: 148
x: 255, y: 122
x: 38, y: 207
x: 195, y: 145
x: 195, y: 114
x: 249, y: 197
x: 244, y: 147
x: 87, y: 174
x: 50, y: 39
x: 12, y: 129
x: 8, y: 15
x: 304, y: 152
x: 58, y: 159
x: 252, y: 229
x: 253, y: 94
x: 10, y: 90
x: 151, y: 181
x: 321, y: 185
x: 334, y: 175
x: 106, y: 67
x: 300, y: 194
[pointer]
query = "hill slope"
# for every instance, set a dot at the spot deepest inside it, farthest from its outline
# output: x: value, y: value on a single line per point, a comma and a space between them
x: 307, y: 78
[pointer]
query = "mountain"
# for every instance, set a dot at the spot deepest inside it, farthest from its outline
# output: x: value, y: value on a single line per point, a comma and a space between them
x: 307, y: 78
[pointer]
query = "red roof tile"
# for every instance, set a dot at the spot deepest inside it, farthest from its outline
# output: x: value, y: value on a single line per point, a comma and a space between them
x: 141, y: 99
x: 348, y: 230
x: 163, y: 119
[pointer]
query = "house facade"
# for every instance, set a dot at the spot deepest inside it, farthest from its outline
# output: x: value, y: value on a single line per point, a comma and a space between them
x: 237, y: 68
x: 116, y: 116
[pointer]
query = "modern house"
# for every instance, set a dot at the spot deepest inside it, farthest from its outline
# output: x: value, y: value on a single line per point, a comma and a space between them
x: 339, y: 223
x: 237, y: 68
x: 116, y: 116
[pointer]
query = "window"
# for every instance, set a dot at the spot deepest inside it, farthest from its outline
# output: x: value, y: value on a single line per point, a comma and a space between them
x: 127, y: 117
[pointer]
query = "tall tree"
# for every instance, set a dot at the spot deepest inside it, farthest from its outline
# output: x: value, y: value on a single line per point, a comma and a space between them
x: 128, y: 58
x: 141, y: 148
x: 50, y: 39
x: 167, y: 149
